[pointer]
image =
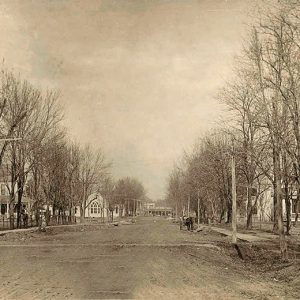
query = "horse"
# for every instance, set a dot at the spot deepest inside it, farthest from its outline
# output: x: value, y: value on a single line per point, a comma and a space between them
x: 188, y: 222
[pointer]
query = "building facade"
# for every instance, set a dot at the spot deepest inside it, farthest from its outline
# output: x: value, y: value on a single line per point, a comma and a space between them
x: 5, y: 199
x: 263, y: 211
x: 98, y: 208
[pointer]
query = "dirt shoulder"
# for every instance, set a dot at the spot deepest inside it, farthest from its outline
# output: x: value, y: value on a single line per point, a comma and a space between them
x: 262, y: 257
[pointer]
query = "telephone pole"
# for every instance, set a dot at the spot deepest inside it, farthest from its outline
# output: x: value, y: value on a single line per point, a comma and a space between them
x: 198, y: 198
x: 189, y: 200
x: 234, y: 220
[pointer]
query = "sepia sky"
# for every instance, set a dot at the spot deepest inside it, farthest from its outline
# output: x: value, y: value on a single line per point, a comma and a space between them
x: 137, y: 77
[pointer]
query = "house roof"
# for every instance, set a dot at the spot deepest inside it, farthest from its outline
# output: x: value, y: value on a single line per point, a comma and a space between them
x: 95, y: 197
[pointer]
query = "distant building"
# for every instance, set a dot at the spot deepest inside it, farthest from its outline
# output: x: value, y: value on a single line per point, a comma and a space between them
x: 98, y: 208
x: 151, y: 209
x: 148, y: 205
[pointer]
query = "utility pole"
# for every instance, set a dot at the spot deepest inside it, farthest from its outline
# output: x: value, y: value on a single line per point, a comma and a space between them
x: 234, y: 239
x: 133, y: 213
x: 198, y: 198
x: 189, y: 199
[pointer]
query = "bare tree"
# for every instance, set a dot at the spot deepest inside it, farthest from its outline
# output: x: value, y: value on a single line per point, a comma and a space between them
x: 92, y: 171
x: 127, y: 192
x: 13, y: 105
x: 205, y: 177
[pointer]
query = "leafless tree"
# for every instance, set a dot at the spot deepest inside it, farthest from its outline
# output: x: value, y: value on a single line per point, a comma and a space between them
x: 205, y: 177
x: 127, y: 192
x: 93, y: 170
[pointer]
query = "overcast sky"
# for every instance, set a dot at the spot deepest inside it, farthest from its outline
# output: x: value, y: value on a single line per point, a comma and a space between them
x: 137, y: 77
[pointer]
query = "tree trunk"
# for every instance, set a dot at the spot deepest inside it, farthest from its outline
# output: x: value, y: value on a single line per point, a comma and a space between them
x: 287, y: 200
x: 297, y: 204
x: 48, y: 215
x: 221, y: 215
x: 11, y: 213
x: 229, y: 213
x: 288, y: 215
x: 275, y: 227
x: 277, y: 176
x: 81, y: 214
x: 83, y: 206
x: 20, y: 186
x: 249, y: 208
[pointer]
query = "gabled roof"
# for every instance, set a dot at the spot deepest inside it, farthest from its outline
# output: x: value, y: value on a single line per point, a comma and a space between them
x: 94, y: 196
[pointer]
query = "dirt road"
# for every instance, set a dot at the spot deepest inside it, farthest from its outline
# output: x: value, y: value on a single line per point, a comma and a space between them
x: 151, y: 259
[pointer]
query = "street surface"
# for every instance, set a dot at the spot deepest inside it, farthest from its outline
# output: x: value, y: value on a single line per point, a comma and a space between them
x: 151, y: 259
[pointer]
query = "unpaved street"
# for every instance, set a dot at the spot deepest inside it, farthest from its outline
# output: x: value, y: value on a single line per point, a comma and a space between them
x: 151, y: 259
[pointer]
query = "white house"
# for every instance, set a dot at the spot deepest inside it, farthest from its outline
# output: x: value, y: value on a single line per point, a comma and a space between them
x: 264, y: 210
x: 98, y: 208
x: 5, y: 198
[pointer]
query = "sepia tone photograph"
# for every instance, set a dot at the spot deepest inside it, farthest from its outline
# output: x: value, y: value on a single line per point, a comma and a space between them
x: 149, y: 149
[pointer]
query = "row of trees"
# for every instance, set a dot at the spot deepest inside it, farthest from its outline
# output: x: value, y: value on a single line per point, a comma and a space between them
x: 126, y: 193
x: 38, y: 160
x: 262, y: 130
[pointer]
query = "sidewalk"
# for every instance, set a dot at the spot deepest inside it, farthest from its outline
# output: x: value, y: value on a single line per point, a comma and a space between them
x: 248, y: 237
x: 33, y: 229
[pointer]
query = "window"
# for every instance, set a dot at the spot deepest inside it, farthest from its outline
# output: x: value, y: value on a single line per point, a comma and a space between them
x: 3, y: 208
x: 95, y: 209
x: 294, y: 206
x: 3, y: 189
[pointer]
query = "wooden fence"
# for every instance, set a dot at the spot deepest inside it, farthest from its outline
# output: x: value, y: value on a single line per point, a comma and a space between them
x: 5, y: 223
